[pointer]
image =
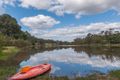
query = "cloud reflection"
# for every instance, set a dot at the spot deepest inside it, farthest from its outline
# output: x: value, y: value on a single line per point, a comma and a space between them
x: 69, y: 56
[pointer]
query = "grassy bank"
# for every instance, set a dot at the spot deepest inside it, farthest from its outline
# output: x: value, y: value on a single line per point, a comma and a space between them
x: 8, y: 51
x: 113, y: 75
x: 6, y: 71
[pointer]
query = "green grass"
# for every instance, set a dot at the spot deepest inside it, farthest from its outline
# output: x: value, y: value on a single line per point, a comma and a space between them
x: 6, y: 52
x: 6, y: 71
x: 115, y: 74
x: 47, y: 77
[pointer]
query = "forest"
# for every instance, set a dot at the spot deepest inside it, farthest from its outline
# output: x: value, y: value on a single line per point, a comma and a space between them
x: 12, y: 35
x: 110, y: 36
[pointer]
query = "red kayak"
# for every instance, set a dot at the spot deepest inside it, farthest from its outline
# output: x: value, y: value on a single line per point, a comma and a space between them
x: 32, y: 72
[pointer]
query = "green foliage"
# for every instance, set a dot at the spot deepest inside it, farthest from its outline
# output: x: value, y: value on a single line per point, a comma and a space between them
x: 12, y: 35
x: 9, y: 26
x: 7, y: 52
x: 115, y: 74
x: 105, y: 37
x: 4, y: 40
x: 6, y: 71
x: 89, y: 77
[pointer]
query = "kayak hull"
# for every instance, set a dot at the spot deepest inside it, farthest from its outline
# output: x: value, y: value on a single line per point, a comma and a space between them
x: 33, y: 72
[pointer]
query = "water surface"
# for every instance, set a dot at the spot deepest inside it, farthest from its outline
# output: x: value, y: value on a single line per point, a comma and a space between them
x: 77, y: 61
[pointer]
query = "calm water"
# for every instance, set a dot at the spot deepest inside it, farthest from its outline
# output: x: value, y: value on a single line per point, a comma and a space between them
x: 77, y: 61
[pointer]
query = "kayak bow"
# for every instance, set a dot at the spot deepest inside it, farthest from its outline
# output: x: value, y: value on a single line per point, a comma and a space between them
x: 32, y: 72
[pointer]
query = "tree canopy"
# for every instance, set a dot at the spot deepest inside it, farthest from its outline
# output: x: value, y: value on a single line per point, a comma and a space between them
x: 104, y: 37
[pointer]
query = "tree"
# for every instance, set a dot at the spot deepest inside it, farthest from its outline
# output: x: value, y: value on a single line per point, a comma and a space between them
x: 104, y: 37
x: 9, y: 26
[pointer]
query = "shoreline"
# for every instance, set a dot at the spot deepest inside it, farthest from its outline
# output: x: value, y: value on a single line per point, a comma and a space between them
x: 92, y: 45
x: 113, y: 75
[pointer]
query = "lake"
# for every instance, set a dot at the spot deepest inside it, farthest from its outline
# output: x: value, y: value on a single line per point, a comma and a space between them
x: 76, y: 61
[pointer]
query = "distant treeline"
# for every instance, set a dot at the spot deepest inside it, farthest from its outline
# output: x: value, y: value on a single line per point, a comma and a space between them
x: 104, y: 37
x: 12, y: 35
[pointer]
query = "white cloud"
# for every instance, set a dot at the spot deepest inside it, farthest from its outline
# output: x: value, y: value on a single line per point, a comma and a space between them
x: 70, y: 33
x: 39, y: 22
x: 61, y: 7
x: 9, y: 2
x: 39, y: 4
x: 77, y: 7
x: 3, y: 3
x: 1, y: 8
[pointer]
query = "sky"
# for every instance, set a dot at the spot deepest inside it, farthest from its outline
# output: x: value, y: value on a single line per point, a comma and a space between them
x: 63, y: 20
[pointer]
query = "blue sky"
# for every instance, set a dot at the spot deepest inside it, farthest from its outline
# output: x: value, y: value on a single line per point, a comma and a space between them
x: 61, y: 19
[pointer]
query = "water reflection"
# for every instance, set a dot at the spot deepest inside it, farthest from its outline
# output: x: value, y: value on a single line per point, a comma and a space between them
x: 75, y: 61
